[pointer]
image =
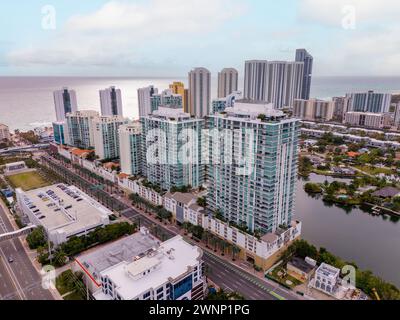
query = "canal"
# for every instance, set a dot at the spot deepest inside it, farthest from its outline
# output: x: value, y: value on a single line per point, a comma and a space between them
x: 372, y: 242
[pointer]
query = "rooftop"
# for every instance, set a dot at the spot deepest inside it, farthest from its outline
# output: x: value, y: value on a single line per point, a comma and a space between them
x: 65, y: 207
x: 301, y: 264
x: 387, y: 192
x: 328, y: 270
x: 173, y: 259
x: 125, y: 249
x: 248, y: 110
x: 170, y: 112
x: 269, y: 237
x: 80, y: 152
x: 185, y: 198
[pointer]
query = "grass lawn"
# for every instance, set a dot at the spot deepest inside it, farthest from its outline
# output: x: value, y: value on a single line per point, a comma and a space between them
x: 61, y: 286
x: 27, y: 181
x: 374, y: 170
x: 65, y: 284
x: 275, y: 275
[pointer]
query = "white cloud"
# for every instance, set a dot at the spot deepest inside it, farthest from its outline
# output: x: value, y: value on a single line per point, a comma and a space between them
x: 371, y: 48
x: 124, y: 33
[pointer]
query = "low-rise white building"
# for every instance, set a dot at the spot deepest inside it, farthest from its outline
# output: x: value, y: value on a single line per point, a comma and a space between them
x: 72, y: 154
x: 326, y: 278
x: 173, y: 271
x: 15, y: 167
x: 184, y: 208
x: 98, y: 259
x: 63, y: 211
x: 369, y: 142
x: 136, y: 186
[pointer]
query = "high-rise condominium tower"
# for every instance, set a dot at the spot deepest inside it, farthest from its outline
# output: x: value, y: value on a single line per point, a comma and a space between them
x: 303, y: 56
x: 166, y: 99
x: 227, y: 82
x: 111, y: 102
x: 277, y: 82
x: 130, y: 148
x: 313, y: 109
x: 264, y: 143
x: 166, y: 161
x: 105, y: 136
x: 179, y: 88
x: 64, y: 102
x: 144, y: 100
x: 369, y: 102
x: 199, y: 92
x: 80, y: 125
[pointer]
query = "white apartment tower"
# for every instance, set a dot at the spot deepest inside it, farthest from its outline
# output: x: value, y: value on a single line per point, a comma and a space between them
x: 227, y: 82
x: 253, y: 171
x: 277, y: 82
x: 105, y: 136
x: 64, y: 102
x: 165, y: 161
x: 199, y: 92
x: 130, y: 148
x: 144, y: 100
x: 80, y: 125
x: 111, y: 102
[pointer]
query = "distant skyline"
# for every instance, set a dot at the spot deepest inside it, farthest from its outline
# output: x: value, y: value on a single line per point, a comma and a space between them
x: 162, y: 38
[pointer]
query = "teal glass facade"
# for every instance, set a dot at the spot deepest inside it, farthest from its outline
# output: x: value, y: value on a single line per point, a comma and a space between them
x: 263, y: 199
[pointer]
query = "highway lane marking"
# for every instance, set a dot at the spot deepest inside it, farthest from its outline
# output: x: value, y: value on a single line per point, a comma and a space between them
x: 12, y: 276
x: 8, y: 268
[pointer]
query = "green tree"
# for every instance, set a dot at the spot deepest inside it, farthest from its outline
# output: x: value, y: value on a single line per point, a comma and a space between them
x: 202, y: 202
x: 37, y: 238
x: 312, y: 188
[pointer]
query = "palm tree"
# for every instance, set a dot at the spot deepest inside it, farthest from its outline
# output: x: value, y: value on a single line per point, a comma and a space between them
x: 206, y: 236
x: 222, y: 245
x: 214, y: 242
x: 186, y: 226
x: 235, y: 250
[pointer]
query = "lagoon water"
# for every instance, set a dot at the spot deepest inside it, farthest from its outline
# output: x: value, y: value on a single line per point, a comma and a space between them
x: 372, y: 242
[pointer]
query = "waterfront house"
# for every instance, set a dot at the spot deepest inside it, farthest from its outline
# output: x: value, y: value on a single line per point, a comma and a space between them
x: 387, y: 192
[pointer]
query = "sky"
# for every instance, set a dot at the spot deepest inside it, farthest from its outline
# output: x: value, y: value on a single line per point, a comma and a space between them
x: 162, y: 38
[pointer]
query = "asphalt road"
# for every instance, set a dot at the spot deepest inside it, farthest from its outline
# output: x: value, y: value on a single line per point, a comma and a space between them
x: 19, y: 280
x: 222, y: 273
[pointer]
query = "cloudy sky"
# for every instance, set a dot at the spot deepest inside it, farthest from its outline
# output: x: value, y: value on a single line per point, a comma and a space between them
x: 168, y: 37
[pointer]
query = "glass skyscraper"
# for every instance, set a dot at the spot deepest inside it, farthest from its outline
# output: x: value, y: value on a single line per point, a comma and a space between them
x: 105, y: 135
x: 262, y: 197
x: 369, y: 102
x: 163, y: 149
x: 303, y: 56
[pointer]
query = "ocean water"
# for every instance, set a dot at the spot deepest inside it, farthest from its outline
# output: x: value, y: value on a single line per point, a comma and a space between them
x: 27, y: 102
